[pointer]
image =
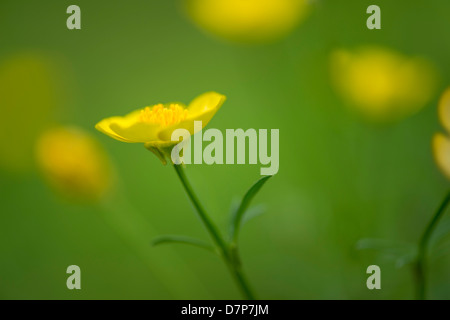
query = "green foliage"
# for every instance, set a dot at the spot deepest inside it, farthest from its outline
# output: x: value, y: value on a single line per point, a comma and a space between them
x: 401, y: 253
x: 241, y: 209
x: 182, y: 239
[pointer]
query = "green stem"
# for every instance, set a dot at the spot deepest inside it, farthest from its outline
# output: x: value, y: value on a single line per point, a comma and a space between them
x: 423, y: 248
x: 226, y: 253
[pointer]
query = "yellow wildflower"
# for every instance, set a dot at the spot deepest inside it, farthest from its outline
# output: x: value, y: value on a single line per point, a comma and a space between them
x: 246, y: 21
x: 153, y: 125
x: 381, y: 83
x: 441, y: 142
x: 73, y: 163
x: 29, y: 87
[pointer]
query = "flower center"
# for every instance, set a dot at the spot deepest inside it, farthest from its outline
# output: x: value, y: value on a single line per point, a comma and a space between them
x: 164, y: 116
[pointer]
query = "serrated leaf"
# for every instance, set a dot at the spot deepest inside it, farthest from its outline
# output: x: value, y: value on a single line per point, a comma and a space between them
x: 244, y: 204
x: 182, y: 239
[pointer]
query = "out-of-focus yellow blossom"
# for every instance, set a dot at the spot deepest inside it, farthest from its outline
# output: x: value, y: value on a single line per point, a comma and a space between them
x: 247, y: 21
x: 441, y: 142
x: 28, y: 97
x: 381, y: 83
x: 154, y: 125
x: 74, y: 163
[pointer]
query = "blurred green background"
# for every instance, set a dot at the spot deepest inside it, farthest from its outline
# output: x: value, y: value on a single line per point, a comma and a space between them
x: 342, y: 178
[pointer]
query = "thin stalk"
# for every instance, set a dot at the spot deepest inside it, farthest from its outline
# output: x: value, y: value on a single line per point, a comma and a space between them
x: 423, y: 249
x: 224, y: 249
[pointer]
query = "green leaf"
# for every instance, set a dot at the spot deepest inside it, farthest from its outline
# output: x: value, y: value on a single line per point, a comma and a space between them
x: 253, y: 212
x: 441, y: 233
x: 234, y: 206
x: 182, y: 239
x: 242, y: 208
x: 441, y: 250
x: 440, y: 242
x: 250, y: 213
x: 400, y: 253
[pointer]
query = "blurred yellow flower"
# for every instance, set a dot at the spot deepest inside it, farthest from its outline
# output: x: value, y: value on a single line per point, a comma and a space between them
x: 247, y: 21
x: 29, y: 88
x: 74, y: 163
x: 154, y: 125
x: 441, y: 142
x: 381, y: 83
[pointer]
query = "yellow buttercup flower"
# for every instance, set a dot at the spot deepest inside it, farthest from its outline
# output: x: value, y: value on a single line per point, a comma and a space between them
x: 153, y: 125
x: 74, y: 163
x: 382, y: 83
x: 441, y: 142
x: 248, y: 21
x: 30, y: 89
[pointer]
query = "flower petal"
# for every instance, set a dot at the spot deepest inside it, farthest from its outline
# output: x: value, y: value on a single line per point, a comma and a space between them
x: 128, y: 129
x: 205, y: 102
x: 202, y: 108
x: 383, y: 84
x: 441, y: 152
x: 104, y: 126
x: 136, y: 132
x: 444, y: 109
